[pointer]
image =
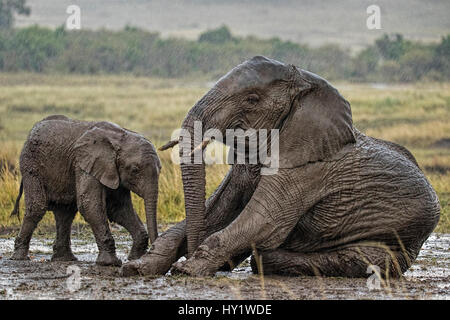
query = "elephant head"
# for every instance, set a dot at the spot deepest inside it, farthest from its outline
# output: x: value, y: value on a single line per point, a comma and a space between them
x: 313, y: 119
x: 115, y: 156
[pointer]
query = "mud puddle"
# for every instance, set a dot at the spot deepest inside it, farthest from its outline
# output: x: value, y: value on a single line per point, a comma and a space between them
x: 428, y: 278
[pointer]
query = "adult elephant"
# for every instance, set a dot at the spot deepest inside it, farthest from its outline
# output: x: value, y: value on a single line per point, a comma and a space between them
x: 69, y: 165
x: 339, y: 202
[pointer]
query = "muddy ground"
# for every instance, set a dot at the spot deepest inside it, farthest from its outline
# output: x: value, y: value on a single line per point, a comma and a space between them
x: 428, y: 278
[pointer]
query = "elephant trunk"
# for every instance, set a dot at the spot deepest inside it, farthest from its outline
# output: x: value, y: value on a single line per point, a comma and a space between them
x: 193, y: 176
x: 151, y: 204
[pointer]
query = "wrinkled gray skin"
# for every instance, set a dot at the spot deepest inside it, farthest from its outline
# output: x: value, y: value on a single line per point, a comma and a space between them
x: 340, y: 201
x: 69, y: 165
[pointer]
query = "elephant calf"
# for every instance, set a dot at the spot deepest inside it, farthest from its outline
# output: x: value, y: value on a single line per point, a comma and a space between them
x: 68, y: 166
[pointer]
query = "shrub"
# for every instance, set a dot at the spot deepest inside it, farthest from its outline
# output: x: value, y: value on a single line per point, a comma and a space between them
x: 140, y: 52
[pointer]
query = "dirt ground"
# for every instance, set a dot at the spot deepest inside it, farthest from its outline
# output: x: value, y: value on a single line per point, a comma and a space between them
x: 428, y: 278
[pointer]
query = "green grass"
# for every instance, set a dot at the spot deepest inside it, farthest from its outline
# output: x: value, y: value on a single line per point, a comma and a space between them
x: 416, y: 116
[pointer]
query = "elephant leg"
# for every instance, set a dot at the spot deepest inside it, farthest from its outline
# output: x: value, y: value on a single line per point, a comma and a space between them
x: 224, y: 205
x: 168, y: 248
x: 61, y: 248
x: 35, y: 208
x: 234, y: 261
x: 120, y: 210
x: 358, y: 261
x: 91, y: 200
x: 265, y: 223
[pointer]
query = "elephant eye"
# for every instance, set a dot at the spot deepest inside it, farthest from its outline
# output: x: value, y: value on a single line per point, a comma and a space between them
x: 252, y: 98
x: 133, y: 169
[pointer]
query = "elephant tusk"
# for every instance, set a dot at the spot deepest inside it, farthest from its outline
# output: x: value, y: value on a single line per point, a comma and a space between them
x: 173, y: 143
x: 201, y: 146
x: 169, y: 145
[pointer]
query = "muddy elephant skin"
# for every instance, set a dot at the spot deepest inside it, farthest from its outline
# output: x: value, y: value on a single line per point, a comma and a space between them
x: 69, y: 165
x: 339, y: 202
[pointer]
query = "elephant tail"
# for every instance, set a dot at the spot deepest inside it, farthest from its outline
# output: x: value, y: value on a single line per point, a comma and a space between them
x: 15, y: 211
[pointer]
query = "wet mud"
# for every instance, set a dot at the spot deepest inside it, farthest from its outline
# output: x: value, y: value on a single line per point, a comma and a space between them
x: 428, y: 278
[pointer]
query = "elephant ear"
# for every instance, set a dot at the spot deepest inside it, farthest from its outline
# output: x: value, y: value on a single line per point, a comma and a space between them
x: 96, y: 155
x: 318, y: 126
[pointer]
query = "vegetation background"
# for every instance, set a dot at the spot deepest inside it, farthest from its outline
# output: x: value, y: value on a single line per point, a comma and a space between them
x: 115, y: 69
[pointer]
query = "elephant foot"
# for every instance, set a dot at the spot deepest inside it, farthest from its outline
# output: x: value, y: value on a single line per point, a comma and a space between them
x: 191, y: 268
x: 63, y: 256
x: 199, y: 265
x: 108, y: 259
x: 150, y: 264
x: 136, y: 253
x: 20, y: 254
x: 139, y: 247
x: 129, y: 269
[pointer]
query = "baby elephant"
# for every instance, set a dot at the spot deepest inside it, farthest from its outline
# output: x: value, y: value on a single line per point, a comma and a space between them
x: 68, y: 166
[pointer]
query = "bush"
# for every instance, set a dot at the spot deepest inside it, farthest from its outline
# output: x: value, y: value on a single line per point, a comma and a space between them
x: 220, y: 35
x: 416, y: 63
x: 30, y: 48
x: 365, y: 64
x: 140, y: 52
x: 441, y: 59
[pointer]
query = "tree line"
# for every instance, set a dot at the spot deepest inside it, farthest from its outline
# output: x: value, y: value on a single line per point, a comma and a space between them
x: 391, y: 58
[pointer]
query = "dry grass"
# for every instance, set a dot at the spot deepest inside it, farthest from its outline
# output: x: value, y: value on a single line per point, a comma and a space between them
x: 416, y: 116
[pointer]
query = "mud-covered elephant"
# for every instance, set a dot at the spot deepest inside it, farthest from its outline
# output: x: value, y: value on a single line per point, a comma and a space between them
x: 339, y: 202
x: 69, y: 165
